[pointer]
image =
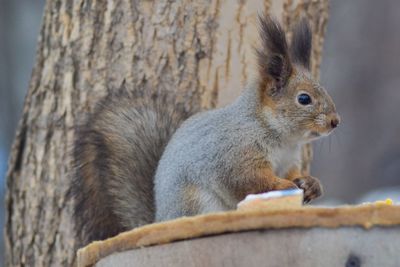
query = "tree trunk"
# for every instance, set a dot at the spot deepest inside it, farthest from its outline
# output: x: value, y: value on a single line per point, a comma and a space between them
x: 201, y: 51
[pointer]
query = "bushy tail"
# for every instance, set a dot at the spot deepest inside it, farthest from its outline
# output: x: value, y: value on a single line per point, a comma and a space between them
x: 116, y: 153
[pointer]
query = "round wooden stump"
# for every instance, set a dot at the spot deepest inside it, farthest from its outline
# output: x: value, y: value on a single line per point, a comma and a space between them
x: 345, y: 236
x: 286, y: 247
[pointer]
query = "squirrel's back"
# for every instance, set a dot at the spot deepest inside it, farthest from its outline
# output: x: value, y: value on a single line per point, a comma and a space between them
x: 207, y: 150
x: 116, y: 152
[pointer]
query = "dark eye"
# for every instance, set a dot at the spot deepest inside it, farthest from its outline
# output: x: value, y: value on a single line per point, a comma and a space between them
x: 304, y: 99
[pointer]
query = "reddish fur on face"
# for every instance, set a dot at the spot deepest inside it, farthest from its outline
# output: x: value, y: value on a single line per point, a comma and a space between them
x: 265, y: 98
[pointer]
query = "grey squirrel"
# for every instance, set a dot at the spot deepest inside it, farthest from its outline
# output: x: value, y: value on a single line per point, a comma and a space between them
x: 141, y: 159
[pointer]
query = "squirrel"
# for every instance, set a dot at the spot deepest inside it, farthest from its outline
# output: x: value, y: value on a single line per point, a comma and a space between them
x: 143, y: 159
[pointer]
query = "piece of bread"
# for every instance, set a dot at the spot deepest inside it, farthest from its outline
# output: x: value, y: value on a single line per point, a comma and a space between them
x: 274, y: 200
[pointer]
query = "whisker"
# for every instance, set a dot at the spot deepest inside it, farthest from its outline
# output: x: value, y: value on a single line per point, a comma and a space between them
x: 321, y: 146
x: 299, y: 116
x: 343, y: 130
x: 337, y: 136
x: 317, y: 146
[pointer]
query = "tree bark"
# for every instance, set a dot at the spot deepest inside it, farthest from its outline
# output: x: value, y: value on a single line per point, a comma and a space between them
x: 199, y: 50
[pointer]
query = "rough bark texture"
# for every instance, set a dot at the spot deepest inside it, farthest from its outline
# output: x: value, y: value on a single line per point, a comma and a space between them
x: 199, y: 50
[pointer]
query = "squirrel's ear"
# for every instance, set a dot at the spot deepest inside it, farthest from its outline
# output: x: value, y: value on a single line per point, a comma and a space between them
x: 301, y: 43
x: 273, y: 56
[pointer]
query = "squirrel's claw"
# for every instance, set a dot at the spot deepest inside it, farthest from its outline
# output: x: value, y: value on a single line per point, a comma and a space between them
x: 311, y: 186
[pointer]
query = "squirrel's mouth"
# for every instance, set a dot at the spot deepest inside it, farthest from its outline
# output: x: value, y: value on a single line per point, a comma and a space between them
x: 317, y: 132
x: 313, y: 135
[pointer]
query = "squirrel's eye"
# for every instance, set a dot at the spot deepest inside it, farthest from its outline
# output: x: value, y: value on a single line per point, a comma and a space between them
x: 304, y: 99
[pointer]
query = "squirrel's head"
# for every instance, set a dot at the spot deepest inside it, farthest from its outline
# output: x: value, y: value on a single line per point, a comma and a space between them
x: 292, y: 102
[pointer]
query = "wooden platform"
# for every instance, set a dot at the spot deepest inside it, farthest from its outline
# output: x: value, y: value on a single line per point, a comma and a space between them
x: 344, y: 236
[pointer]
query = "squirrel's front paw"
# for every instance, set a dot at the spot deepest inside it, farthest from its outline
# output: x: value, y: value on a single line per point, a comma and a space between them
x: 311, y: 186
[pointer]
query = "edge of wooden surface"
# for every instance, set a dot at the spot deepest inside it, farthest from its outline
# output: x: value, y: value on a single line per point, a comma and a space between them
x: 235, y: 221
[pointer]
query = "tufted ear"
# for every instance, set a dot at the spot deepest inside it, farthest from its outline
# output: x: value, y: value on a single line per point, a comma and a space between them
x: 300, y: 49
x: 273, y: 56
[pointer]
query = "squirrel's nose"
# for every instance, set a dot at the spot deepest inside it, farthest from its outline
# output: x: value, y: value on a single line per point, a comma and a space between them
x: 335, y: 121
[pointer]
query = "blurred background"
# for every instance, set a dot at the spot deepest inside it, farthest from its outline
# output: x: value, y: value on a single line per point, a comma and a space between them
x: 360, y: 68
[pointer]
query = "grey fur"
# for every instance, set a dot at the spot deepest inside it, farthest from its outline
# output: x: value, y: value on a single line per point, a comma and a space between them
x: 207, y: 152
